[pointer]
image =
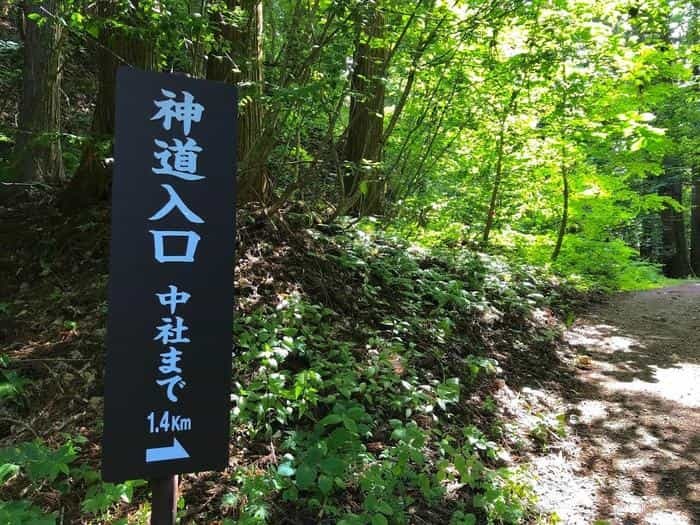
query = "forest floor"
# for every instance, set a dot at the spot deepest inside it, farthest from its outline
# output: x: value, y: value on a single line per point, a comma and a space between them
x: 635, y: 455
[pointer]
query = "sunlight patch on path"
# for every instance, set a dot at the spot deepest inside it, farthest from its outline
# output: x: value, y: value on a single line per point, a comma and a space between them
x: 562, y: 489
x: 680, y: 384
x: 664, y: 517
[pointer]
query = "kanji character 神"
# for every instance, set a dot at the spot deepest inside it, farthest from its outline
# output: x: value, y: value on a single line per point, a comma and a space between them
x: 172, y: 298
x: 184, y: 163
x: 175, y: 201
x: 187, y: 111
x: 169, y: 333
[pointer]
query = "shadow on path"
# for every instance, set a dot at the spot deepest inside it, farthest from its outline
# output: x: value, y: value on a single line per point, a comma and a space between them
x: 638, y: 410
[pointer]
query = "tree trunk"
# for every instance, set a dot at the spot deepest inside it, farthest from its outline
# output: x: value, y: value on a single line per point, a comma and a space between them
x: 695, y: 223
x: 565, y: 209
x: 38, y: 147
x: 91, y: 181
x: 363, y: 182
x: 246, y: 49
x: 500, y: 148
x: 648, y: 241
x: 491, y: 214
x: 674, y: 256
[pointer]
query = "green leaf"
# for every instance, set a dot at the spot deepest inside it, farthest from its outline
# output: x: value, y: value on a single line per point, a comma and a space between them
x: 38, y: 461
x: 305, y: 476
x: 463, y: 519
x: 333, y: 466
x: 379, y: 519
x: 637, y: 144
x: 352, y: 519
x: 7, y: 470
x: 448, y: 392
x: 101, y: 497
x: 325, y: 483
x: 229, y: 500
x: 24, y: 513
x: 331, y: 419
x: 385, y: 508
x: 350, y: 424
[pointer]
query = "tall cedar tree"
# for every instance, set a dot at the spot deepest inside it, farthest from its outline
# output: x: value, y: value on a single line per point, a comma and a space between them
x: 695, y: 222
x: 119, y: 45
x: 675, y: 250
x: 246, y: 70
x: 363, y: 184
x: 38, y: 146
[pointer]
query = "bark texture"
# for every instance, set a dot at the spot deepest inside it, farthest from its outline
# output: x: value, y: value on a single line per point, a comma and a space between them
x: 38, y: 146
x: 244, y: 66
x: 91, y: 181
x: 695, y: 223
x: 674, y: 255
x: 363, y: 182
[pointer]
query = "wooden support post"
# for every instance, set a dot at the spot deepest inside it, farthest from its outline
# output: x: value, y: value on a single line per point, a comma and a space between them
x: 164, y: 500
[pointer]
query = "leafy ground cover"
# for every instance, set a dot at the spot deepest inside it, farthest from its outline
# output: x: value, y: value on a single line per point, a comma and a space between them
x: 364, y: 379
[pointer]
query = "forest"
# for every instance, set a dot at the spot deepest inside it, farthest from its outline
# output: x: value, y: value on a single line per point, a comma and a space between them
x: 459, y: 224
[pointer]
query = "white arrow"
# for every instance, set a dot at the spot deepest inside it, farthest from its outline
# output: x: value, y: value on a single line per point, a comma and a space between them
x: 176, y: 451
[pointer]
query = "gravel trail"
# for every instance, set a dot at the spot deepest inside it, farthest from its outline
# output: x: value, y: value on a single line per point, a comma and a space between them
x: 636, y: 413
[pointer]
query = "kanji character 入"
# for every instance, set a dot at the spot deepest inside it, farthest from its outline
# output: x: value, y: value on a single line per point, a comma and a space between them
x: 175, y: 201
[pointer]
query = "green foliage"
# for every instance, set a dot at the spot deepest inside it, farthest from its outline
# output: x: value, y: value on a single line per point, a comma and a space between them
x: 11, y: 384
x: 42, y: 466
x: 346, y: 403
x: 359, y: 377
x: 22, y: 512
x: 37, y: 461
x: 100, y: 497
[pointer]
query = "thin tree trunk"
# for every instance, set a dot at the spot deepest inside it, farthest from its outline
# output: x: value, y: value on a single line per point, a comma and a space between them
x: 91, y: 181
x: 565, y: 208
x: 500, y: 147
x: 491, y: 215
x: 254, y: 182
x: 38, y: 147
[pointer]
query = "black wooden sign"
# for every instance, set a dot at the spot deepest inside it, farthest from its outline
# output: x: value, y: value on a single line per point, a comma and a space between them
x: 169, y: 329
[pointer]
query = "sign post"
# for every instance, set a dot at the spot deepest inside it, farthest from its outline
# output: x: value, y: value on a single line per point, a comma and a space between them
x: 169, y: 336
x: 164, y: 500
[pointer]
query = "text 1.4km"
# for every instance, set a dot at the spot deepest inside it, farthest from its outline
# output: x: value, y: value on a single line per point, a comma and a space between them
x: 167, y: 422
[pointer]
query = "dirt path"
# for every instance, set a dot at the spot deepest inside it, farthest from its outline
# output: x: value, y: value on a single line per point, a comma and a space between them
x: 637, y: 414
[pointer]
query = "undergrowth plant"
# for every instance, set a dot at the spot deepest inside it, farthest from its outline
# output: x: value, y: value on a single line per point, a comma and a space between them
x: 352, y: 410
x: 38, y: 467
